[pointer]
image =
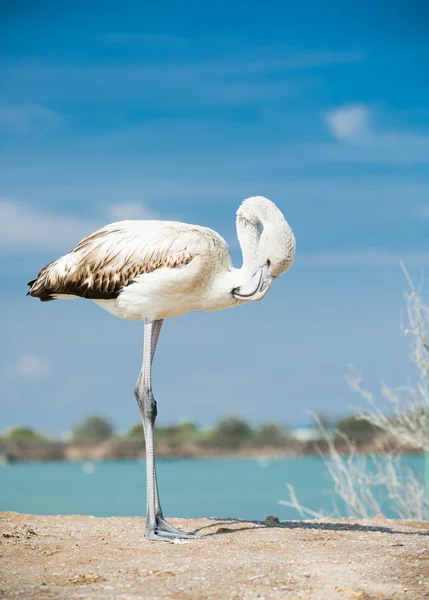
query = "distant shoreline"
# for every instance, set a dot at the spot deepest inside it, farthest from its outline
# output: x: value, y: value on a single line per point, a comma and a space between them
x: 123, y: 450
x: 95, y: 439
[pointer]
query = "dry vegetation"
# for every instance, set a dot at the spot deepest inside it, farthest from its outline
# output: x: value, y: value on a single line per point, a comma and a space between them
x: 401, y: 416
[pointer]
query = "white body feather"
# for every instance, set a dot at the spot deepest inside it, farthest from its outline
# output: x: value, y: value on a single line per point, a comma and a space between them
x: 204, y: 283
x: 161, y: 269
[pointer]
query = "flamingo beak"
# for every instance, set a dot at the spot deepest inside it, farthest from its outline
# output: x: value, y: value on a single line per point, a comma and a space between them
x: 256, y: 287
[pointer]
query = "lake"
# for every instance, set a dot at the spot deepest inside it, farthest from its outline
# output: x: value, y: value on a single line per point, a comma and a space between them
x: 248, y: 488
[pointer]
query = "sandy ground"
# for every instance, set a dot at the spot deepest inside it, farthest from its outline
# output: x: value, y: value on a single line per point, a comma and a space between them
x: 88, y: 557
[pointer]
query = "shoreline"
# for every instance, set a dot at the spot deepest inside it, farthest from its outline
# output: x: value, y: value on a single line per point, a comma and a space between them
x: 104, y: 453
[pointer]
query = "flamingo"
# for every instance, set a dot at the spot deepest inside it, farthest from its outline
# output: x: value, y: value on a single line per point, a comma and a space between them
x: 154, y: 270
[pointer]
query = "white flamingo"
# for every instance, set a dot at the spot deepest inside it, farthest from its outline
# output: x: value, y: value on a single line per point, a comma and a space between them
x: 151, y: 270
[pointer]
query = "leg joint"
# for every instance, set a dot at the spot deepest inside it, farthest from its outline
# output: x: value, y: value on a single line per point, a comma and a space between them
x: 141, y: 392
x: 150, y: 409
x: 146, y: 402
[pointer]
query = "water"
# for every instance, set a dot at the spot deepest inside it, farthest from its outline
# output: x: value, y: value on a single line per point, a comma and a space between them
x: 215, y: 487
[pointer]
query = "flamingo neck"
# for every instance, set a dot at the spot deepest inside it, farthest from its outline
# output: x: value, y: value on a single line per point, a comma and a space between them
x: 249, y: 235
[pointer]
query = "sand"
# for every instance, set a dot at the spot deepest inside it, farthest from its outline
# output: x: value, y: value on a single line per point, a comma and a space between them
x: 103, y: 558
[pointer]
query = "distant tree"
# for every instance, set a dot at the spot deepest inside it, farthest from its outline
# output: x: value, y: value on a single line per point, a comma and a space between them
x: 23, y: 435
x: 167, y: 433
x: 136, y: 431
x: 231, y: 432
x: 188, y: 430
x: 184, y: 432
x: 357, y: 430
x: 92, y: 429
x: 180, y: 433
x: 272, y: 434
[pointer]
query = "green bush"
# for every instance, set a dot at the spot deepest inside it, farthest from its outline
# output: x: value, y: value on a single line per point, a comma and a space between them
x: 92, y: 430
x: 272, y: 434
x: 231, y: 432
x: 181, y: 433
x: 136, y: 432
x: 24, y: 435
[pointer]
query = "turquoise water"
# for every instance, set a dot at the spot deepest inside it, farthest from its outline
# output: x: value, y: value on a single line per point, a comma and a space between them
x: 220, y: 487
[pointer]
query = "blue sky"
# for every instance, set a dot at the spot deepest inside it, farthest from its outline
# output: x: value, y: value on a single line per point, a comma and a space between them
x: 179, y: 111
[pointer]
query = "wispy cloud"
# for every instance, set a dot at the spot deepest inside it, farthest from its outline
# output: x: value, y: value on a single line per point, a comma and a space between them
x: 349, y: 123
x: 362, y: 258
x: 22, y: 227
x: 27, y: 117
x: 33, y: 366
x: 129, y: 210
x: 196, y: 85
x: 258, y: 58
x: 360, y: 140
x: 234, y: 58
x: 193, y: 81
x: 295, y: 61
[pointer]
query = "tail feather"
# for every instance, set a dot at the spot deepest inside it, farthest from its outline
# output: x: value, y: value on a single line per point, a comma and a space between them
x: 38, y: 287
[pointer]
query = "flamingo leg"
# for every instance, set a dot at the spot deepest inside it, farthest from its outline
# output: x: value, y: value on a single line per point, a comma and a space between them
x: 157, y: 527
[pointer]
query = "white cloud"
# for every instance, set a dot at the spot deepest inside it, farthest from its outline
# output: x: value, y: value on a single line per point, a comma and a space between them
x: 349, y: 123
x: 363, y: 143
x: 22, y: 227
x: 129, y: 210
x: 33, y: 366
x: 24, y: 118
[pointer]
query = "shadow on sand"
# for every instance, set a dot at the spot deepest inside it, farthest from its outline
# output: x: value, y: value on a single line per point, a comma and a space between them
x: 305, y: 525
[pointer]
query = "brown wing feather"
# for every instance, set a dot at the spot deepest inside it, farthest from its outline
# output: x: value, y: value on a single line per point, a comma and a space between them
x: 106, y: 261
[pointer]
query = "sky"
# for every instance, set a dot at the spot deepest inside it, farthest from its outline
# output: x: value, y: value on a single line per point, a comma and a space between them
x: 180, y: 111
